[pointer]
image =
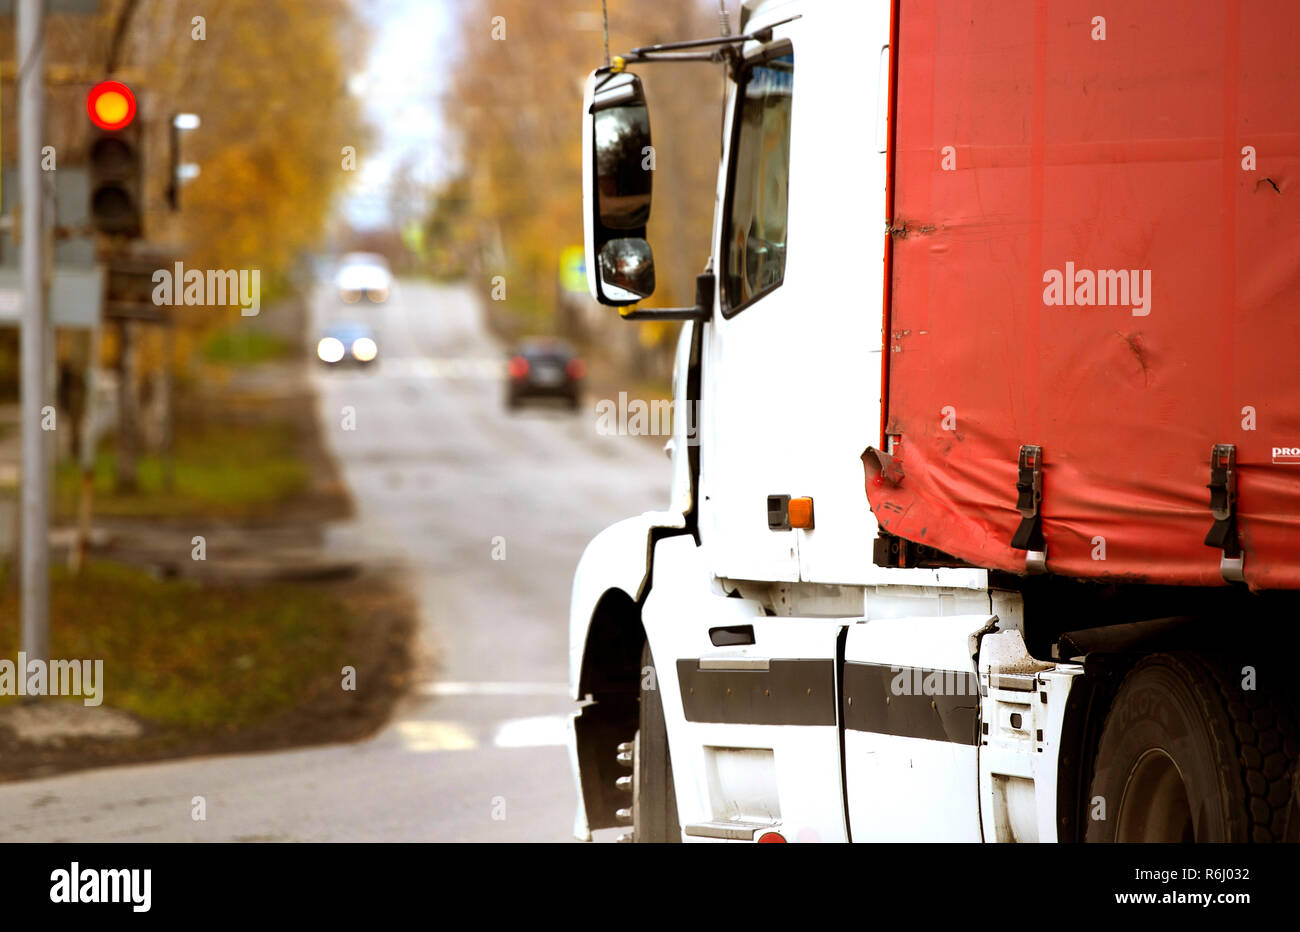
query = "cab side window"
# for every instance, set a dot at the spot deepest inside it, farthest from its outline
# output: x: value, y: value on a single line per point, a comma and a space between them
x: 755, y: 235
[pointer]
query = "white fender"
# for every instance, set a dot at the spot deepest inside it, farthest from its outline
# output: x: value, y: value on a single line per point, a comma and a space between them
x: 617, y: 558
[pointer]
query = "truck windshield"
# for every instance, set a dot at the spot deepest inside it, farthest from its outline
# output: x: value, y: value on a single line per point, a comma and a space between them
x: 754, y: 239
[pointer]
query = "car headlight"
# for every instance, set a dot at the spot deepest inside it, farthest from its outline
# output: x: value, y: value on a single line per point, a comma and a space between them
x: 330, y: 349
x: 364, y: 349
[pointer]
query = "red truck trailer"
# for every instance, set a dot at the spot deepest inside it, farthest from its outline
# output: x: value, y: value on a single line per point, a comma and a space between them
x: 1092, y: 302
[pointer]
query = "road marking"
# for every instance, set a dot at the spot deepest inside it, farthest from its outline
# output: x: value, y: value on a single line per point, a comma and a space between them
x: 423, y: 736
x: 493, y: 689
x: 453, y: 367
x: 540, y: 731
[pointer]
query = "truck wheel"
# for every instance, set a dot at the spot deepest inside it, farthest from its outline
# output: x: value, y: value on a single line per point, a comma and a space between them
x: 1188, y: 754
x: 654, y: 799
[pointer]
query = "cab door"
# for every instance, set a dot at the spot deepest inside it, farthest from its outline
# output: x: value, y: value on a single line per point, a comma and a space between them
x: 793, y: 364
x: 751, y: 389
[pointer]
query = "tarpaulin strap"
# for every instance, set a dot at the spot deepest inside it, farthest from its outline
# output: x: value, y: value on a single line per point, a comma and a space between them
x: 1223, y: 506
x: 1029, y: 485
x: 1223, y: 498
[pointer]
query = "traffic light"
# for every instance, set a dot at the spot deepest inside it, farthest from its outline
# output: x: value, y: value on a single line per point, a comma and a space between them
x: 116, y: 172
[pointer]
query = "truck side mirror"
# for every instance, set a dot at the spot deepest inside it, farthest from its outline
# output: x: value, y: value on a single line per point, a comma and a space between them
x: 618, y: 177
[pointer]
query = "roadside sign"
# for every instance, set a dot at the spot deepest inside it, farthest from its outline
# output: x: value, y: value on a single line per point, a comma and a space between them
x: 413, y: 238
x: 573, y: 269
x: 76, y: 297
x: 71, y: 215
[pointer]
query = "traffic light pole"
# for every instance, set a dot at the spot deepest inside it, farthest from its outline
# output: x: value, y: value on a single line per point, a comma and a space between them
x: 30, y: 58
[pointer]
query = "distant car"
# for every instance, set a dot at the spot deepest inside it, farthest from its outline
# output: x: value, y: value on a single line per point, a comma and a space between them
x: 343, y: 343
x: 544, y: 368
x: 363, y: 274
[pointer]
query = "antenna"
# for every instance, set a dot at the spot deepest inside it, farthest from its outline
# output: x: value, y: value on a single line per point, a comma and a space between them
x: 604, y: 14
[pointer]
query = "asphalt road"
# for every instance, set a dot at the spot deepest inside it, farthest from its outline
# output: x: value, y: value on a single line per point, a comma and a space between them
x: 443, y: 478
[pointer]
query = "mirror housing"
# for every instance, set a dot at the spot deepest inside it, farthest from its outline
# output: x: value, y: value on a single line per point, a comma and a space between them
x: 616, y: 188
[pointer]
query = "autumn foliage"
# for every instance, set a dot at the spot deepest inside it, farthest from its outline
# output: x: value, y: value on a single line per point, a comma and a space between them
x: 519, y: 76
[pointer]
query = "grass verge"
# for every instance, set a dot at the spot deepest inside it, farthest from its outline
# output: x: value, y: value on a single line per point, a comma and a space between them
x: 208, y: 669
x: 244, y: 346
x: 219, y: 470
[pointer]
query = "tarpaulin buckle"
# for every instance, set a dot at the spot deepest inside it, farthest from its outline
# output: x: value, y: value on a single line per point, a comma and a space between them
x: 1029, y: 501
x: 1223, y: 506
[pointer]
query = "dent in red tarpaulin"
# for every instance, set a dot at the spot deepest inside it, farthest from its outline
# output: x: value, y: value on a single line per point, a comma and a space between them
x: 1094, y: 250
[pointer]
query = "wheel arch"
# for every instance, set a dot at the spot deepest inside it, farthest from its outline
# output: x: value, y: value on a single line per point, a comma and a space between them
x: 605, y: 640
x: 611, y: 658
x: 616, y: 569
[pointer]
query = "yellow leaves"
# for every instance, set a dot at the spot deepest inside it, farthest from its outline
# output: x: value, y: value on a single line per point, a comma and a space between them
x: 516, y: 107
x: 269, y: 86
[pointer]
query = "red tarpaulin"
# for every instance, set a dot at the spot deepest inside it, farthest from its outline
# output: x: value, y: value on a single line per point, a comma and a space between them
x: 1096, y: 249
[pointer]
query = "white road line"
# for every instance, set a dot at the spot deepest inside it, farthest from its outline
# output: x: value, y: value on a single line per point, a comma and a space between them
x: 493, y: 689
x: 540, y: 731
x: 444, y: 368
x: 422, y: 736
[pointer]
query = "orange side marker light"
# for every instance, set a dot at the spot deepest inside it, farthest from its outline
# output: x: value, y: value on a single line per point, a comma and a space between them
x: 801, y: 513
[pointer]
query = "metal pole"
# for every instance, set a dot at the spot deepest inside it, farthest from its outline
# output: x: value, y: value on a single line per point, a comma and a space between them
x: 35, y: 479
x: 86, y: 457
x: 167, y: 444
x: 126, y: 407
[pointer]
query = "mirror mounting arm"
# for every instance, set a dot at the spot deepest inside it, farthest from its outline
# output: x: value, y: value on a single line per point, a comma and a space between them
x: 703, y: 310
x: 621, y: 62
x: 758, y: 35
x: 721, y: 49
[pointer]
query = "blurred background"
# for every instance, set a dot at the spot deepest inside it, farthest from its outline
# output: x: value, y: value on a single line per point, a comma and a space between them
x: 335, y: 524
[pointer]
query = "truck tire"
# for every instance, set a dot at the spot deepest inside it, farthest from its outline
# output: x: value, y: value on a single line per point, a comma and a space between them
x: 654, y: 799
x: 1293, y: 812
x: 1188, y: 754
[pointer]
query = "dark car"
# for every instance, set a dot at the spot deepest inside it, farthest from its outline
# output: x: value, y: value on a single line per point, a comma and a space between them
x: 544, y: 368
x: 347, y: 343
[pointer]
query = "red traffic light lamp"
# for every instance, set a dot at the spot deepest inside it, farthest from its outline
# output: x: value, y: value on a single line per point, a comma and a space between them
x: 114, y: 155
x: 111, y: 105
